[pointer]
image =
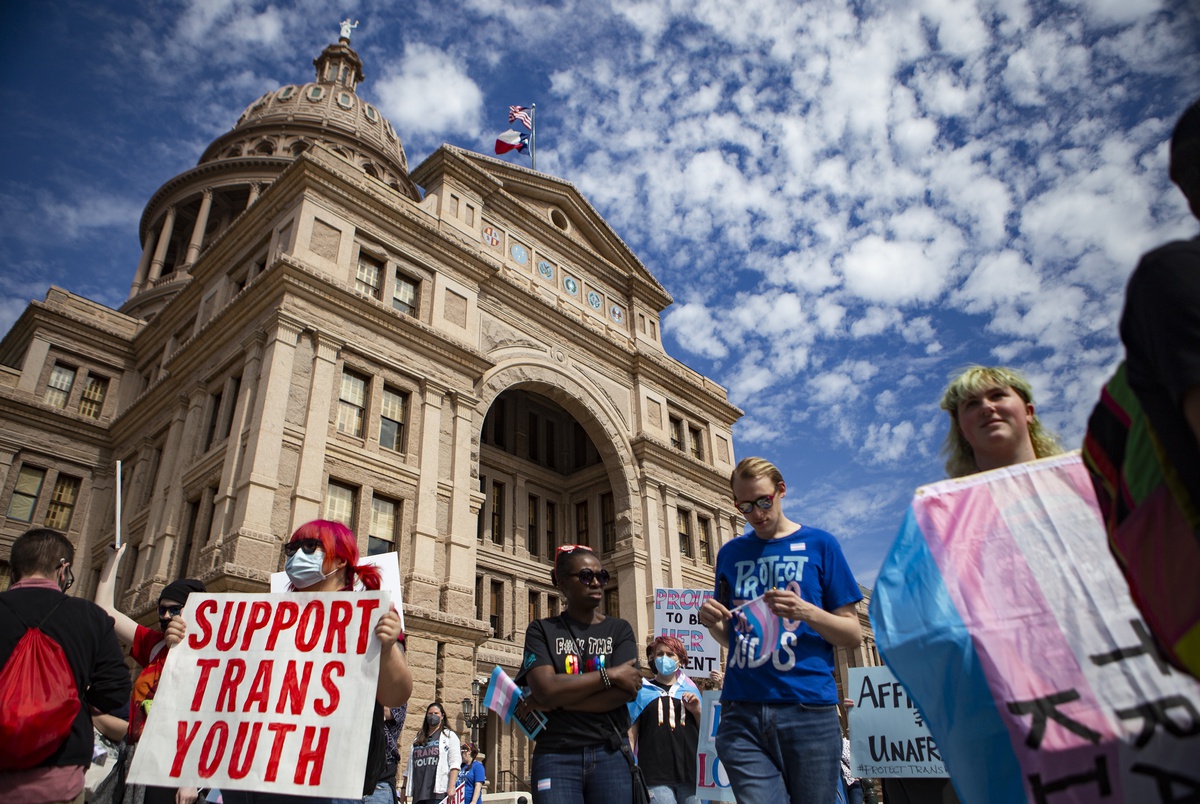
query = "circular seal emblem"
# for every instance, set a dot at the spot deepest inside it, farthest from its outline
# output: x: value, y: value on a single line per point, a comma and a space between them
x: 616, y: 314
x: 546, y: 269
x: 594, y: 300
x: 490, y: 237
x: 519, y: 253
x: 571, y: 285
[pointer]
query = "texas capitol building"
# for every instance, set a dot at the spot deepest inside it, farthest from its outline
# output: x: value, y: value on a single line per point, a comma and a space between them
x: 463, y: 362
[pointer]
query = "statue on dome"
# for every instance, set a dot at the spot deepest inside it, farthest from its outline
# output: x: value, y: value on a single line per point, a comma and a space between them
x: 347, y: 27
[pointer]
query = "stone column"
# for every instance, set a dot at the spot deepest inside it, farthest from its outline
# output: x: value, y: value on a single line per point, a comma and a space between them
x: 235, y: 447
x: 309, y: 491
x: 653, y: 498
x: 160, y: 526
x: 671, y: 525
x: 197, y: 240
x: 143, y: 269
x: 34, y: 362
x: 423, y: 584
x: 164, y: 240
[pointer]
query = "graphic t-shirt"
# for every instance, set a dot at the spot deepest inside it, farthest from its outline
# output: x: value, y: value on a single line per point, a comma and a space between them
x: 423, y: 768
x: 150, y: 651
x: 607, y: 643
x: 800, y: 668
x: 471, y: 776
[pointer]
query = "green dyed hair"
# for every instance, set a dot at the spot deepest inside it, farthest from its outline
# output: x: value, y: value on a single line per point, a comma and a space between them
x: 960, y: 458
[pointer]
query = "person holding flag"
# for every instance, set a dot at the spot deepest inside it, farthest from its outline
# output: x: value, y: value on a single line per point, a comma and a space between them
x: 666, y: 724
x: 785, y: 597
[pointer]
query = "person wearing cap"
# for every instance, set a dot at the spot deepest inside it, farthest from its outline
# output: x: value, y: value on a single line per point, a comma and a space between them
x: 149, y: 649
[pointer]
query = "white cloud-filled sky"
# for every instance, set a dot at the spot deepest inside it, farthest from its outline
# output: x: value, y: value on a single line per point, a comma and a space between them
x: 848, y: 200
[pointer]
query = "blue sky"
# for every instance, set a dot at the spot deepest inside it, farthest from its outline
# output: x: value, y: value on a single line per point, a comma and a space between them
x: 847, y: 200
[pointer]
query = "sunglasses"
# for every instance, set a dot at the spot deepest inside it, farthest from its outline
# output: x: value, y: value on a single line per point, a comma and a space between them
x: 587, y: 575
x: 763, y: 503
x: 169, y: 611
x: 309, y: 546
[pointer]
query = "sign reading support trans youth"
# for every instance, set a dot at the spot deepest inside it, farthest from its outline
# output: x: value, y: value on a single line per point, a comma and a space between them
x: 263, y: 690
x: 888, y: 736
x: 677, y: 614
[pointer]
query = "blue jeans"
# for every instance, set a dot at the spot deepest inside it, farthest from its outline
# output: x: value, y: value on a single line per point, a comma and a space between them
x: 382, y: 794
x: 673, y: 794
x: 781, y: 752
x: 598, y: 775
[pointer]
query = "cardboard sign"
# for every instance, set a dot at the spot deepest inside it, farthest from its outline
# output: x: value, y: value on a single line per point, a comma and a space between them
x: 389, y: 580
x: 888, y: 736
x: 272, y: 693
x: 677, y: 614
x: 712, y: 784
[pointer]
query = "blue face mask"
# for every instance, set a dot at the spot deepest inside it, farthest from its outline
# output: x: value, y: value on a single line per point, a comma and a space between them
x: 304, y: 569
x: 667, y: 665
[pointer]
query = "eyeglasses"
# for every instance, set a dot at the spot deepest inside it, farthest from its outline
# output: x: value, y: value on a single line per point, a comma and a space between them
x: 309, y: 546
x: 570, y: 548
x: 68, y: 576
x: 587, y: 575
x: 169, y: 611
x: 763, y: 503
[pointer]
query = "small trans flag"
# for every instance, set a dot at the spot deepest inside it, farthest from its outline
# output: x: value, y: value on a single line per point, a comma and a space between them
x: 755, y: 620
x: 502, y: 694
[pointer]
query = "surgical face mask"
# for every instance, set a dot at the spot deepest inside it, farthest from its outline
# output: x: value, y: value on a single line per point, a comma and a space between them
x: 304, y: 569
x: 667, y: 665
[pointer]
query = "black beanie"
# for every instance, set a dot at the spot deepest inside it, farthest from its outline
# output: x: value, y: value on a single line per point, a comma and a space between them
x: 179, y: 590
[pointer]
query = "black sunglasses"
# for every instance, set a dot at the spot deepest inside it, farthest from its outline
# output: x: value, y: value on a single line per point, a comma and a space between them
x: 586, y: 576
x: 169, y: 611
x: 309, y: 546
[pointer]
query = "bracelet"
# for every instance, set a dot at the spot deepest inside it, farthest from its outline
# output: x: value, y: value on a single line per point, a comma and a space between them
x: 604, y: 678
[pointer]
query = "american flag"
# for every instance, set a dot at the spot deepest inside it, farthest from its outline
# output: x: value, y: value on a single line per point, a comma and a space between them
x: 520, y: 113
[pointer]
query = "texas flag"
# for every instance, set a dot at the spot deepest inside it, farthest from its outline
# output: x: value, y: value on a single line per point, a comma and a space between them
x: 512, y: 141
x: 1002, y: 612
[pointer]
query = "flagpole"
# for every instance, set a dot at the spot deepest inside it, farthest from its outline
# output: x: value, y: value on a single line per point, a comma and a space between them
x: 533, y: 135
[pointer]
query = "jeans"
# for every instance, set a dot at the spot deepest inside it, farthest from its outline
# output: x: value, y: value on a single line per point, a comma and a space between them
x: 781, y: 752
x: 856, y: 793
x: 673, y: 794
x: 382, y: 794
x: 597, y: 775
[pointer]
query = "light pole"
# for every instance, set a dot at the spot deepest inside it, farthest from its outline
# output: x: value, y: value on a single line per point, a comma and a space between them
x: 473, y: 715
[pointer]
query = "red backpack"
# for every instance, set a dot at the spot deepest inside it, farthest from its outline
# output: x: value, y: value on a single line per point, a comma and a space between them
x: 38, y: 697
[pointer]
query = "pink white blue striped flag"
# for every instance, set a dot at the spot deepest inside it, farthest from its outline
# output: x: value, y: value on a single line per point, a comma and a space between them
x: 502, y: 694
x: 1004, y: 615
x: 755, y: 622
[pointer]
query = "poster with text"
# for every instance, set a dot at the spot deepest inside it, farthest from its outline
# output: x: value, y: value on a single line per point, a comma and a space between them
x: 712, y: 784
x: 677, y: 614
x: 389, y: 580
x: 272, y: 693
x: 887, y: 734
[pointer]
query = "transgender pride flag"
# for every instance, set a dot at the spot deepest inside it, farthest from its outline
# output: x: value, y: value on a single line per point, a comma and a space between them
x: 1003, y: 614
x: 502, y: 694
x: 755, y: 621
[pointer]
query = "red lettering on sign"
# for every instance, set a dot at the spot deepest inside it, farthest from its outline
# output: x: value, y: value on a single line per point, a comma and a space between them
x: 260, y: 615
x: 294, y: 689
x: 364, y: 628
x: 286, y: 614
x: 206, y: 666
x: 235, y: 671
x: 231, y: 624
x: 310, y: 754
x: 199, y: 638
x: 340, y: 613
x: 210, y: 760
x: 282, y: 730
x: 314, y: 615
x: 182, y: 743
x: 239, y: 744
x: 325, y: 709
x: 260, y: 688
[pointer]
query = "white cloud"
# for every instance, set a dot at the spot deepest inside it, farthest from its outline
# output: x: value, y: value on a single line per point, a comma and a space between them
x: 431, y: 93
x: 892, y: 271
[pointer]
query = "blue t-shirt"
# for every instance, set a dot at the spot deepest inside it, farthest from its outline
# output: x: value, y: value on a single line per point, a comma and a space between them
x: 471, y: 776
x: 800, y: 670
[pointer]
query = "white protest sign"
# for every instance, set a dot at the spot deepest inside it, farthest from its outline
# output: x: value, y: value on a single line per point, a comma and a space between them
x: 676, y: 613
x: 712, y: 784
x: 888, y: 737
x: 389, y: 580
x: 262, y: 691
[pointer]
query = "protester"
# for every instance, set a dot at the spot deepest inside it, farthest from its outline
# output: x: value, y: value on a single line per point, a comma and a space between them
x: 779, y: 737
x: 854, y: 785
x: 41, y: 562
x: 581, y: 667
x: 471, y: 773
x: 1143, y: 439
x: 322, y: 556
x: 433, y: 761
x: 393, y: 724
x: 149, y: 649
x: 108, y: 731
x: 666, y: 724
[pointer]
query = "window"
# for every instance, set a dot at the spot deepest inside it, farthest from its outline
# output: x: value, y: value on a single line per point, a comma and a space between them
x: 580, y: 445
x: 705, y: 527
x: 612, y: 602
x: 367, y: 277
x: 339, y: 504
x: 535, y: 599
x: 382, y: 536
x: 551, y: 447
x: 553, y: 604
x: 676, y: 433
x: 214, y: 418
x: 497, y: 513
x: 478, y: 597
x: 685, y: 533
x: 58, y: 390
x: 404, y: 297
x: 92, y: 401
x: 479, y: 518
x: 499, y: 416
x: 25, y: 493
x: 189, y: 535
x: 533, y: 526
x: 352, y: 404
x: 581, y: 523
x: 391, y: 419
x: 531, y: 438
x: 551, y: 528
x: 608, y: 522
x: 696, y: 439
x: 497, y: 603
x: 62, y: 502
x: 235, y: 387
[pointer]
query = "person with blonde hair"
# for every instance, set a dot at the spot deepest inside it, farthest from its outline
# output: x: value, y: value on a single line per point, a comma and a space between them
x: 992, y: 422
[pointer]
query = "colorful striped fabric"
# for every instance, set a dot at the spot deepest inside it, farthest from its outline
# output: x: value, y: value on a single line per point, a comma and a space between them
x: 1010, y: 625
x: 502, y: 694
x: 755, y: 623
